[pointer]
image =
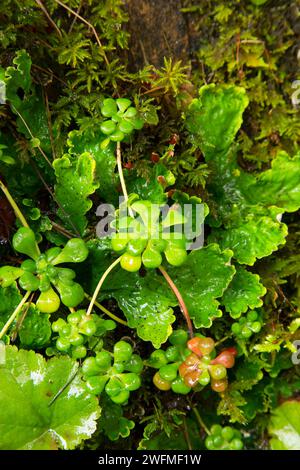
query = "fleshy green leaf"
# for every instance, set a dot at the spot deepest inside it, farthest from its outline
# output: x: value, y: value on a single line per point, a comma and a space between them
x: 194, y: 211
x: 112, y: 422
x: 30, y: 419
x: 244, y: 291
x: 75, y: 183
x: 35, y: 330
x: 215, y: 117
x: 284, y: 426
x: 279, y: 186
x: 9, y: 274
x: 201, y: 280
x: 105, y: 160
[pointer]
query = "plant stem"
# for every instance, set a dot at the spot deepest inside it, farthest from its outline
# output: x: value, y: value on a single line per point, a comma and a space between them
x: 181, y: 302
x: 89, y: 25
x: 61, y: 230
x: 121, y: 176
x: 111, y: 315
x: 32, y: 136
x: 14, y: 333
x: 223, y: 339
x: 186, y: 435
x: 99, y: 285
x: 14, y: 205
x: 120, y: 171
x: 49, y: 17
x: 200, y: 420
x: 14, y: 314
x: 16, y: 209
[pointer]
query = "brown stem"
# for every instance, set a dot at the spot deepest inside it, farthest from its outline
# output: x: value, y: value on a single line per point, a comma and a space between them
x: 49, y: 124
x: 49, y: 72
x: 186, y: 434
x: 14, y: 334
x: 199, y: 419
x: 89, y: 25
x: 40, y: 4
x: 61, y: 230
x: 75, y: 17
x: 181, y: 302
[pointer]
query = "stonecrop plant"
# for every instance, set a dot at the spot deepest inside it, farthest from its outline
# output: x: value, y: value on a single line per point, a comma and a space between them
x: 178, y: 326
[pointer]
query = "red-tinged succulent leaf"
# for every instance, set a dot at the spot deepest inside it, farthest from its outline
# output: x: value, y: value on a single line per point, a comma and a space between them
x: 225, y: 358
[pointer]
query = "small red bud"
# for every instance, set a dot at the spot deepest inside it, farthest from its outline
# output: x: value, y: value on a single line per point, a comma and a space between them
x: 174, y: 139
x: 155, y: 157
x: 161, y: 179
x: 231, y: 350
x: 128, y: 165
x: 171, y: 193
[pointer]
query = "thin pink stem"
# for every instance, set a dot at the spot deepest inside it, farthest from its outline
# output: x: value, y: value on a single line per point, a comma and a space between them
x: 181, y: 302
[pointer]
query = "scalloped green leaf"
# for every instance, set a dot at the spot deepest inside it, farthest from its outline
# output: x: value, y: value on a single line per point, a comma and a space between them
x: 284, y: 426
x: 146, y: 305
x: 18, y: 77
x: 229, y: 185
x: 75, y: 182
x: 105, y: 160
x: 35, y: 330
x: 10, y: 298
x: 149, y: 187
x: 44, y: 404
x: 27, y: 100
x: 214, y: 118
x: 244, y: 291
x: 201, y: 280
x: 145, y: 301
x: 280, y: 185
x: 112, y: 422
x: 254, y: 238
